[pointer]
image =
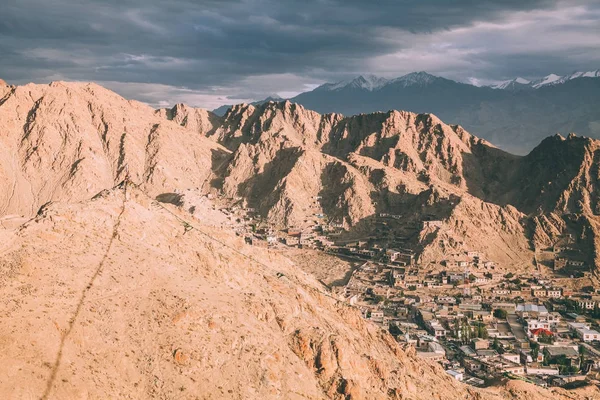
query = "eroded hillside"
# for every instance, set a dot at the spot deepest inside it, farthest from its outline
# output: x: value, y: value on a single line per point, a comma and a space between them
x: 68, y: 141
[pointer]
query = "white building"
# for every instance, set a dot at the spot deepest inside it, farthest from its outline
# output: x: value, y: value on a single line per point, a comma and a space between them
x: 531, y: 310
x: 455, y: 374
x: 541, y: 370
x: 554, y: 293
x: 575, y: 326
x: 536, y: 324
x: 588, y: 335
x: 437, y: 329
x: 516, y: 358
x: 377, y: 316
x: 587, y: 304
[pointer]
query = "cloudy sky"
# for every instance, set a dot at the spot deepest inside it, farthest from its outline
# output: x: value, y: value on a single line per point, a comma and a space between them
x: 212, y: 52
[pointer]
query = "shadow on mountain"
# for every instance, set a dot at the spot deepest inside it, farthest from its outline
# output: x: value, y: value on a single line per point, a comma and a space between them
x: 341, y: 142
x: 170, y: 198
x: 537, y: 182
x: 381, y: 148
x: 399, y: 215
x: 219, y: 160
x: 489, y: 173
x: 263, y: 190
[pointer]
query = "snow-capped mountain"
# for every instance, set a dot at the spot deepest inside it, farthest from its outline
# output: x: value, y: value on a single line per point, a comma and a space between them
x: 415, y: 79
x: 373, y: 83
x: 548, y: 80
x: 367, y: 82
x: 553, y: 79
x: 511, y: 83
x: 514, y: 115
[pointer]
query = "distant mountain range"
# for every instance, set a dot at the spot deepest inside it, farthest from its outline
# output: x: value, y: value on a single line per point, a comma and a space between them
x: 514, y: 114
x: 552, y: 79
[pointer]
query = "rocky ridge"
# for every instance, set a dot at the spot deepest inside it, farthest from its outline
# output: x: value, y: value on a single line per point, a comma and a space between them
x: 279, y: 158
x: 386, y: 162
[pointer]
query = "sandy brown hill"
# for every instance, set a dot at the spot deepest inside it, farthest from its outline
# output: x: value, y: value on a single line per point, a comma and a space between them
x: 115, y: 298
x: 67, y: 141
x: 285, y: 155
x: 285, y: 158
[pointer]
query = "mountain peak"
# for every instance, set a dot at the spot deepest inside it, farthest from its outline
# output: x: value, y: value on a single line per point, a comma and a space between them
x: 547, y: 80
x: 511, y: 84
x: 420, y: 78
x: 273, y: 97
x: 368, y: 82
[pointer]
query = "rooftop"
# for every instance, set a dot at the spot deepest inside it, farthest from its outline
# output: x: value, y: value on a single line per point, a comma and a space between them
x: 555, y: 351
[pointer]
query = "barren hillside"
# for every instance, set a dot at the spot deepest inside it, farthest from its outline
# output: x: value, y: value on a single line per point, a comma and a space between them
x: 115, y: 298
x: 68, y: 141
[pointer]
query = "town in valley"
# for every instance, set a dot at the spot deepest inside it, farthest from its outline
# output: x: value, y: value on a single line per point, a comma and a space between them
x: 475, y: 317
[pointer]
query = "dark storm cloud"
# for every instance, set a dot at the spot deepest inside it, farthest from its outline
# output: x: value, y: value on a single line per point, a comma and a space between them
x: 250, y: 48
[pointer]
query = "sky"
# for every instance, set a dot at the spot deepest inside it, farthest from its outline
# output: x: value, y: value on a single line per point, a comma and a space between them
x: 207, y: 53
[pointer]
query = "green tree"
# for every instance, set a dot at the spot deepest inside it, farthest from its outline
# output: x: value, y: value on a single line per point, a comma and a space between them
x: 483, y: 333
x: 496, y: 346
x: 581, y: 356
x: 546, y: 338
x: 500, y: 313
x: 535, y: 350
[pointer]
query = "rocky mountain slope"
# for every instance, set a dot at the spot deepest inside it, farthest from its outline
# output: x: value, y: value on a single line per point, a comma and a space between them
x: 68, y: 141
x: 406, y: 164
x: 515, y: 119
x: 291, y: 164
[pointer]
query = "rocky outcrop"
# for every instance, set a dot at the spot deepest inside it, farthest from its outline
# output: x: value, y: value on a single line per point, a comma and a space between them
x: 198, y: 120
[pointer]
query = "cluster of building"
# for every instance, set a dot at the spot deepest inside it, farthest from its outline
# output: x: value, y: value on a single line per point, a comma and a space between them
x: 481, y: 333
x: 566, y: 254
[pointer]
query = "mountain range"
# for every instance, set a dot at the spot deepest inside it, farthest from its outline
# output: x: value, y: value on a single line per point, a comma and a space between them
x: 552, y: 79
x: 514, y: 118
x: 121, y: 277
x: 278, y: 157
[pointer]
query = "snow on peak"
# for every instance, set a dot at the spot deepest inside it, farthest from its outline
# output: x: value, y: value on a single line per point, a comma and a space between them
x: 415, y: 78
x: 511, y: 83
x: 551, y: 79
x: 372, y: 82
x: 547, y: 80
x: 592, y: 74
x: 367, y: 82
x: 587, y: 74
x: 554, y: 79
